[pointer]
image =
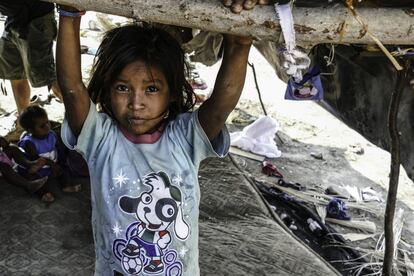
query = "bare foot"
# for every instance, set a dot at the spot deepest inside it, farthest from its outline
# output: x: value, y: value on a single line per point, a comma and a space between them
x: 38, y: 164
x: 48, y: 197
x: 35, y: 185
x: 72, y: 188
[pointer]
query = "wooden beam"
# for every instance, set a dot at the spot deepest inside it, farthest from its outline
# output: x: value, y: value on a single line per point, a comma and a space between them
x: 333, y: 24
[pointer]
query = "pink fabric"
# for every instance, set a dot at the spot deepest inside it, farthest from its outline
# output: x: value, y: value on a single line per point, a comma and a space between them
x: 143, y: 138
x: 5, y: 159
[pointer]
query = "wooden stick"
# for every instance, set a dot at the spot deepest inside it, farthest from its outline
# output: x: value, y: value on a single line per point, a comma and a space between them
x: 312, y: 25
x: 246, y: 154
x: 395, y: 171
x: 367, y: 226
x: 373, y: 37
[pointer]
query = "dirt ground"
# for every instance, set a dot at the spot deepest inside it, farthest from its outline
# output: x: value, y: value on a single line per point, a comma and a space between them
x: 306, y: 129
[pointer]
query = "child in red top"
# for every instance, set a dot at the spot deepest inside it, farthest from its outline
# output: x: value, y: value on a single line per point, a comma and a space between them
x: 11, y: 155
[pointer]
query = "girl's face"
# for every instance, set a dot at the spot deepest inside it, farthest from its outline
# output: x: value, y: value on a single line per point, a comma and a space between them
x: 140, y: 97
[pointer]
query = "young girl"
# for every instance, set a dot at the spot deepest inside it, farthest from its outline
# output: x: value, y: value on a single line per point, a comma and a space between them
x: 144, y: 147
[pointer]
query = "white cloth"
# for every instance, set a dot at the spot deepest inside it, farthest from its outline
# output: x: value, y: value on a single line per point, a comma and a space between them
x: 295, y: 60
x: 258, y: 137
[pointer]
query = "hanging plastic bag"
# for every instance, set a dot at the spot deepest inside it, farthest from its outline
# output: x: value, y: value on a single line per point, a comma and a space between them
x: 309, y: 88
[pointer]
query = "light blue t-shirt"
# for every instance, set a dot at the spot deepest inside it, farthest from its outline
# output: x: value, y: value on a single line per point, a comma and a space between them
x: 145, y: 197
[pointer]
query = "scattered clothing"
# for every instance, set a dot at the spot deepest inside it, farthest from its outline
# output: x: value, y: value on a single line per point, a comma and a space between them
x: 288, y: 221
x: 354, y: 192
x: 314, y: 227
x: 258, y: 137
x: 337, y: 209
x: 338, y: 191
x: 369, y: 194
x: 307, y: 226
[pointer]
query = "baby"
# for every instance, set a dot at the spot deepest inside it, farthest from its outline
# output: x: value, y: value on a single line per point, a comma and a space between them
x: 39, y: 141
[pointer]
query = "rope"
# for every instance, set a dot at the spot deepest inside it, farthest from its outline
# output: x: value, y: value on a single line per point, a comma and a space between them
x: 373, y: 37
x: 403, y: 52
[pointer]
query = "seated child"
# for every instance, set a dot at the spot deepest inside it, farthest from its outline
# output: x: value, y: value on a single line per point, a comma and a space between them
x: 10, y: 156
x: 40, y: 141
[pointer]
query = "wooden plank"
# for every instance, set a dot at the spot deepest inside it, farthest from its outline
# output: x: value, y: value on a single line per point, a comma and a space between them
x: 363, y: 225
x: 246, y: 154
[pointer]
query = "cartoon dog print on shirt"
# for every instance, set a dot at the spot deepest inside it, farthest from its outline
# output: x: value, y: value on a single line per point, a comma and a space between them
x: 148, y: 238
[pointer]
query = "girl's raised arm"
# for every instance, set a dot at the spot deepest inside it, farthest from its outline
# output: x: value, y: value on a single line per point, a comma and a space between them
x: 69, y: 75
x: 228, y: 87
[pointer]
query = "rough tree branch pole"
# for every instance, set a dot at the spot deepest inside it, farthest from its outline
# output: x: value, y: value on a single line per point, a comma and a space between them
x: 312, y: 25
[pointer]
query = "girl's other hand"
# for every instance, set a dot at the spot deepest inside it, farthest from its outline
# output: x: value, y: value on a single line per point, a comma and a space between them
x: 237, y: 6
x: 238, y: 40
x: 69, y: 8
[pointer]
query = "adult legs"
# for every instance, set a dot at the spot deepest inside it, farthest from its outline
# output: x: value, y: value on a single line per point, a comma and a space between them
x: 21, y: 92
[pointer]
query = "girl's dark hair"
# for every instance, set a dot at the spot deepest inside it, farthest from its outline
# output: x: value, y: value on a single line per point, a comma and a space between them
x: 155, y: 47
x: 28, y: 116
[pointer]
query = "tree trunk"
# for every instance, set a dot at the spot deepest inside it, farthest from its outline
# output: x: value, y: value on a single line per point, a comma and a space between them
x: 333, y: 24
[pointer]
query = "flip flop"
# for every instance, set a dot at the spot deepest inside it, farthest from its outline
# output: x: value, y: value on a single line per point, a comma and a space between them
x: 36, y: 99
x: 270, y: 169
